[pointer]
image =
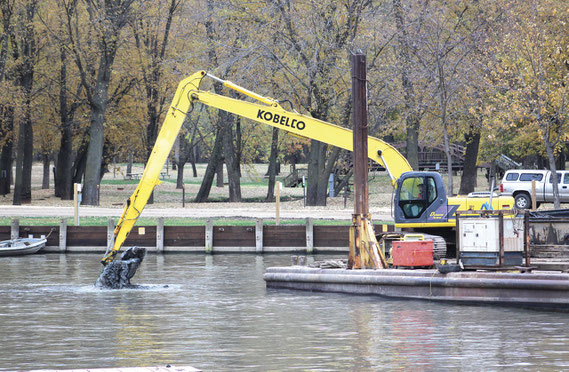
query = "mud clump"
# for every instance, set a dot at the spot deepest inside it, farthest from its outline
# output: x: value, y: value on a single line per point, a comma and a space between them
x: 117, y: 274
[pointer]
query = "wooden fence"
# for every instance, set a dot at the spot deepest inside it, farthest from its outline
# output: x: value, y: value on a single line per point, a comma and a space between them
x: 258, y: 238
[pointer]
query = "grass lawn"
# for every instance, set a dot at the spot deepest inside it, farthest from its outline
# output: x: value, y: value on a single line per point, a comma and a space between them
x: 146, y: 221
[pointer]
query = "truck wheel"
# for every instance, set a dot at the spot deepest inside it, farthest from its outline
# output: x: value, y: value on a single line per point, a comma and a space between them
x: 522, y: 201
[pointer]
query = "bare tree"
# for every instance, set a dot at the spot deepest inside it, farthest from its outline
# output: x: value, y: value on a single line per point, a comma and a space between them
x: 25, y: 54
x: 151, y: 43
x: 536, y: 67
x: 224, y: 148
x: 406, y: 71
x: 444, y: 52
x: 6, y: 110
x: 108, y: 18
x: 314, y: 71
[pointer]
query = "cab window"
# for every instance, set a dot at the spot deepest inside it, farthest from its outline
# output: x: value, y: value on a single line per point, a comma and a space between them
x: 531, y: 176
x: 559, y: 175
x: 411, y: 189
x: 416, y: 194
x: 512, y: 176
x: 431, y: 189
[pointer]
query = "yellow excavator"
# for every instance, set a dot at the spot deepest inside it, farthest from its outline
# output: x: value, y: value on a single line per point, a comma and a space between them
x: 420, y: 200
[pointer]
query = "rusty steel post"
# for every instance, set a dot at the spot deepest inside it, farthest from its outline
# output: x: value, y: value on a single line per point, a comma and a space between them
x: 526, y: 238
x: 458, y: 239
x: 364, y: 249
x: 501, y: 235
x: 360, y: 157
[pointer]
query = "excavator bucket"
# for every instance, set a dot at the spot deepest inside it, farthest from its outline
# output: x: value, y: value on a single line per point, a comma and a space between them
x: 117, y: 274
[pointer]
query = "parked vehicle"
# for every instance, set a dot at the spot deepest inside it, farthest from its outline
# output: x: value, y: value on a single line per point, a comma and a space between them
x: 518, y: 183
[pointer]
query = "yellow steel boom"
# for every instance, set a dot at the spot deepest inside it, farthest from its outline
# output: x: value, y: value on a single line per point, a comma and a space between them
x: 269, y: 112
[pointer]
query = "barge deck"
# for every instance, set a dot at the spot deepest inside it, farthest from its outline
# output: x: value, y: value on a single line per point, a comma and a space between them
x: 536, y: 290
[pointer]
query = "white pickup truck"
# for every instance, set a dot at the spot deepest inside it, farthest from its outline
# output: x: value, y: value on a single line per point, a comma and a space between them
x: 517, y: 183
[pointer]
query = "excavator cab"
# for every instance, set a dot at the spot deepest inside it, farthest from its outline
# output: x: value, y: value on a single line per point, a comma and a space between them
x: 420, y: 197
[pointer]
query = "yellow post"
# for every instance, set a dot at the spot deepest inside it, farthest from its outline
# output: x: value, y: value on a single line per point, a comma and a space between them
x: 278, y: 201
x: 533, y: 196
x: 76, y: 202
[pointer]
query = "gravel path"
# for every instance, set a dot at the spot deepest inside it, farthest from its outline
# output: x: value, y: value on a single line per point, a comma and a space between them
x: 265, y: 212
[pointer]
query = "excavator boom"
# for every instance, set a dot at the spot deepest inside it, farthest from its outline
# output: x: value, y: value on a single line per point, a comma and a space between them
x: 268, y: 111
x: 151, y: 175
x: 304, y: 126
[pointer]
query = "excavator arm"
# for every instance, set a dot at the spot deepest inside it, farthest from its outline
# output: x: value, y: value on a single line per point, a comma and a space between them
x: 268, y: 111
x: 301, y: 125
x: 151, y: 176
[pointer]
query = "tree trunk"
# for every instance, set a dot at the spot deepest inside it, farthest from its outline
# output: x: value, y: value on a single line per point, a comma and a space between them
x: 25, y: 69
x: 412, y: 118
x: 129, y: 163
x: 231, y: 161
x: 95, y: 151
x: 343, y: 182
x: 28, y: 152
x: 6, y: 136
x: 315, y: 190
x: 469, y: 174
x: 176, y: 153
x: 560, y: 160
x: 555, y: 179
x: 450, y: 181
x: 193, y: 160
x: 179, y: 162
x: 219, y: 171
x: 443, y: 106
x: 180, y: 173
x: 23, y: 186
x: 63, y: 169
x: 238, y: 144
x: 78, y: 168
x: 6, y: 112
x: 272, y: 172
x: 210, y: 171
x: 64, y: 164
x: 322, y: 177
x: 18, y: 185
x: 45, y: 178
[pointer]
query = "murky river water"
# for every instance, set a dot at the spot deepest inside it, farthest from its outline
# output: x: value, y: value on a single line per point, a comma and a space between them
x: 217, y: 315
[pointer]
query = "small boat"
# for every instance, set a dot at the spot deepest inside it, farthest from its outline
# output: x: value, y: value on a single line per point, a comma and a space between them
x: 21, y: 246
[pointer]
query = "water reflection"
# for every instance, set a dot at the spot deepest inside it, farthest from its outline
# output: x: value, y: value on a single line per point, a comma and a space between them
x: 217, y: 315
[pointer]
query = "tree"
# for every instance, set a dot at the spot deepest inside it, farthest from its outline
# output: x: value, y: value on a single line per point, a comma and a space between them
x: 106, y: 21
x: 534, y: 66
x: 452, y: 35
x: 225, y: 148
x: 272, y: 166
x: 68, y: 106
x: 25, y: 54
x: 64, y: 87
x: 6, y: 108
x: 412, y: 117
x: 314, y: 40
x: 151, y: 34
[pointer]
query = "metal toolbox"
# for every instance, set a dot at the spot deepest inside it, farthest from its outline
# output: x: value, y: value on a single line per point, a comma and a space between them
x: 412, y: 253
